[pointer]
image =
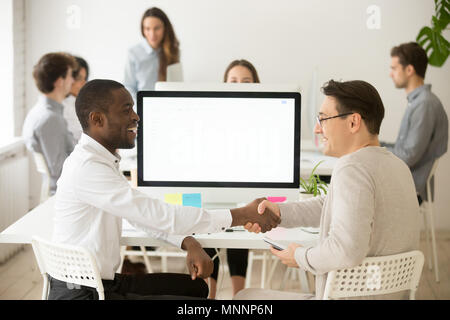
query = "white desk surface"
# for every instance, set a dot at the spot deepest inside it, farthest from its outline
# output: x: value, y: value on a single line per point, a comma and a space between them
x: 39, y: 222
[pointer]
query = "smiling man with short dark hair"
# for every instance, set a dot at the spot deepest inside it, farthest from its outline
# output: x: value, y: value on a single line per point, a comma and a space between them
x: 93, y: 197
x: 370, y: 208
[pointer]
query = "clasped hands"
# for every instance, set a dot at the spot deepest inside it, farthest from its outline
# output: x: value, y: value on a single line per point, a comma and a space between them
x: 260, y: 215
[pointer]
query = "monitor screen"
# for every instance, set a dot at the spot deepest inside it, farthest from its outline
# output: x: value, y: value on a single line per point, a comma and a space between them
x: 219, y: 139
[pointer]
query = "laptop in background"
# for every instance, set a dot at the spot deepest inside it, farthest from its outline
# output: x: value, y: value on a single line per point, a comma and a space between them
x: 175, y: 72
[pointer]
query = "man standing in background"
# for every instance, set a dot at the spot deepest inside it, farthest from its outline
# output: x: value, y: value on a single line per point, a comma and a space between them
x: 423, y: 135
x: 45, y: 129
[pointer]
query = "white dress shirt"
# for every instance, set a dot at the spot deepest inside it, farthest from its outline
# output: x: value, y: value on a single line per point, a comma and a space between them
x: 93, y: 196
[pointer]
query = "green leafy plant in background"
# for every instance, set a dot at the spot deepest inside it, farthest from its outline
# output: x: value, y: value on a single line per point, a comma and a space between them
x: 431, y: 39
x: 314, y: 185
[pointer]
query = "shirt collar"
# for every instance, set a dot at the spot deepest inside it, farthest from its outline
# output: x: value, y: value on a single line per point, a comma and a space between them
x: 148, y: 48
x: 417, y: 91
x: 51, y: 104
x: 86, y: 140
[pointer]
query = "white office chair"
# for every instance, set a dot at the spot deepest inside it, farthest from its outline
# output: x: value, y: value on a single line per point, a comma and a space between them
x: 377, y: 275
x: 72, y: 264
x: 426, y: 209
x: 41, y: 166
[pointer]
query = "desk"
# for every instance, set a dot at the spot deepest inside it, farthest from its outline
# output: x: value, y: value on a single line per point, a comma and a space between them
x: 39, y: 222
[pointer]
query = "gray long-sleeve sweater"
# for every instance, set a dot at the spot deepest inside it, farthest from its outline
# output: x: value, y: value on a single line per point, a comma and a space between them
x: 371, y: 209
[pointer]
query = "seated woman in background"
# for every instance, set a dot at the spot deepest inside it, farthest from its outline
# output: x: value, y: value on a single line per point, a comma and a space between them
x: 239, y: 71
x: 147, y: 61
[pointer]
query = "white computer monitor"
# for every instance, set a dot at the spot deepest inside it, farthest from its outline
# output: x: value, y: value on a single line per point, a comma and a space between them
x: 230, y: 146
x: 221, y: 86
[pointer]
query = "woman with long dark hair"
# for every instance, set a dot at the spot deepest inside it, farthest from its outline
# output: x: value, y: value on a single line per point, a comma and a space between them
x: 147, y: 61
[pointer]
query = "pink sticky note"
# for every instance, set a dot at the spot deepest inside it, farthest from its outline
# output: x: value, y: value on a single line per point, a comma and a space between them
x: 276, y: 199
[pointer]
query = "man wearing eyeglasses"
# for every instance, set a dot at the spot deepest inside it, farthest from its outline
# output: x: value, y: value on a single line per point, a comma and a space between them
x: 371, y: 207
x: 423, y: 134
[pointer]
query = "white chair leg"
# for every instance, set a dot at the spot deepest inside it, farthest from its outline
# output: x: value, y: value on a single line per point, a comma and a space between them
x: 146, y: 260
x: 311, y: 282
x: 424, y: 212
x: 264, y: 271
x: 304, y: 284
x: 248, y: 278
x: 433, y: 242
x: 45, y: 287
x: 287, y: 273
x: 273, y: 266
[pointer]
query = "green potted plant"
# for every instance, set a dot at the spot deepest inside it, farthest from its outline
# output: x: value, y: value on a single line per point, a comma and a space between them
x: 313, y: 186
x: 431, y: 39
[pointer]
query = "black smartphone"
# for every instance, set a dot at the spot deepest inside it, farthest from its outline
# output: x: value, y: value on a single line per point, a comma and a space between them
x: 277, y: 246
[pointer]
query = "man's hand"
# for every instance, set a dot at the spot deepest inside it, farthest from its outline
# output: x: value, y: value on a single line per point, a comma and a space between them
x: 198, y: 262
x: 266, y: 219
x: 287, y: 256
x: 263, y: 206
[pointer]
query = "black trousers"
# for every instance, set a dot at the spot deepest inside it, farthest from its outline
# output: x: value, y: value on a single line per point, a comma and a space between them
x: 237, y: 262
x: 151, y: 286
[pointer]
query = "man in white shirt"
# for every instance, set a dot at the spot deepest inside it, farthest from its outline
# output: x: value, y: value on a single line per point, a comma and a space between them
x: 93, y: 197
x: 371, y: 208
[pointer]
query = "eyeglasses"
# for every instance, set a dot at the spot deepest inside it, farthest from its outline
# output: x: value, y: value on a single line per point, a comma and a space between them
x: 319, y: 121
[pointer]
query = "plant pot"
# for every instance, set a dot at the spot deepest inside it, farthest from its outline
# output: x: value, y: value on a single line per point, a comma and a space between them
x: 303, y: 196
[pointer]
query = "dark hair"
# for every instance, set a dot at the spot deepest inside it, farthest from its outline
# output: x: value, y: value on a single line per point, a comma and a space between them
x: 243, y: 63
x: 412, y: 54
x: 359, y: 97
x: 95, y: 95
x: 81, y: 64
x: 170, y: 52
x: 50, y: 68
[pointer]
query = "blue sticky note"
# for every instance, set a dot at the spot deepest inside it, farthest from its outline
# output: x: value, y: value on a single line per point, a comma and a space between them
x: 192, y: 200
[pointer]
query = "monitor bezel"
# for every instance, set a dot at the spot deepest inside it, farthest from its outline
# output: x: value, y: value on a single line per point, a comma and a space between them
x: 219, y: 94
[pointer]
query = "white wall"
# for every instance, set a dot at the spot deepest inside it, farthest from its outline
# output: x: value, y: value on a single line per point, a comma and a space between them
x: 286, y: 40
x: 6, y: 67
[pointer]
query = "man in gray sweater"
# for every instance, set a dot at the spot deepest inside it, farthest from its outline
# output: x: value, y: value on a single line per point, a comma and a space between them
x: 371, y: 208
x: 423, y: 135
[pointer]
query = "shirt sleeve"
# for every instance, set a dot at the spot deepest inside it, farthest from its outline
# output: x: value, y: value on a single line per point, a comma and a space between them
x: 347, y: 242
x: 305, y: 213
x: 103, y: 187
x: 417, y: 137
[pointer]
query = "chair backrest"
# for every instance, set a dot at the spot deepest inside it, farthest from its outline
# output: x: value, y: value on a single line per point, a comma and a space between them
x: 72, y: 264
x: 41, y: 166
x: 377, y: 275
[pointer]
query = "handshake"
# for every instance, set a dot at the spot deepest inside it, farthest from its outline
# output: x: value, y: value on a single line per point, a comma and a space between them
x: 260, y: 215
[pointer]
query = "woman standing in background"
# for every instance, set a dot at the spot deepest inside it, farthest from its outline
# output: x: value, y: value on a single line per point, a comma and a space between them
x: 147, y: 61
x: 238, y: 71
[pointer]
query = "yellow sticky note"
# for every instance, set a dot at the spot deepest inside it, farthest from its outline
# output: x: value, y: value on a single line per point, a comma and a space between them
x: 174, y: 198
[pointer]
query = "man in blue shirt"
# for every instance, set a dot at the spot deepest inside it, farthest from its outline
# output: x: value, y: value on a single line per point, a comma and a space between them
x: 423, y: 135
x: 45, y: 129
